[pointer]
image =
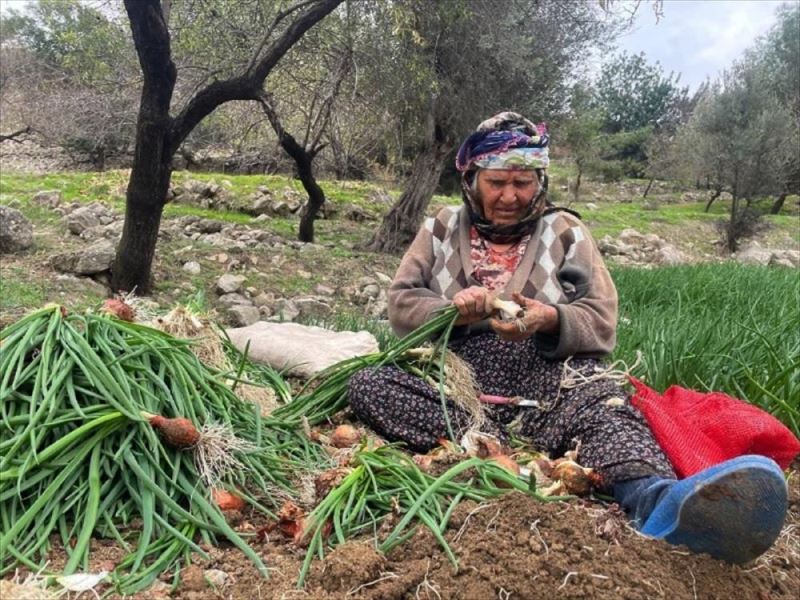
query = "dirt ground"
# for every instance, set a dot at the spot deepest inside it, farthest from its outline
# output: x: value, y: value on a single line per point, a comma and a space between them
x: 512, y: 548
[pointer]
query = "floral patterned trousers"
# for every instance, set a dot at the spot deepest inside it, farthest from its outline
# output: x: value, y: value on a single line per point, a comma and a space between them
x: 611, y: 436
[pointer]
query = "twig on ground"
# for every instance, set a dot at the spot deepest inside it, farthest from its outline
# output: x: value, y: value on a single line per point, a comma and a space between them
x: 566, y: 578
x: 463, y: 527
x: 428, y: 586
x: 535, y: 527
x: 384, y: 577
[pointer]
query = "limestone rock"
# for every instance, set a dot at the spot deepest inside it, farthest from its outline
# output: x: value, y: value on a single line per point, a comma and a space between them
x: 228, y: 283
x: 81, y: 219
x: 47, y: 198
x: 753, y: 254
x: 285, y: 310
x: 242, y: 315
x: 312, y: 307
x: 192, y: 267
x: 233, y: 299
x: 16, y: 232
x: 96, y: 258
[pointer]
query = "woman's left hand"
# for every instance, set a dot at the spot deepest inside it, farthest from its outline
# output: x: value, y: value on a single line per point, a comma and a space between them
x: 538, y: 317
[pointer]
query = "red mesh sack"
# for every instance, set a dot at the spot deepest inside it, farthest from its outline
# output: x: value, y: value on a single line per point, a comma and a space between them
x: 697, y: 430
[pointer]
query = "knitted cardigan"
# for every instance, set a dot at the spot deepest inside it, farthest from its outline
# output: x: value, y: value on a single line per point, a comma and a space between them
x: 561, y: 267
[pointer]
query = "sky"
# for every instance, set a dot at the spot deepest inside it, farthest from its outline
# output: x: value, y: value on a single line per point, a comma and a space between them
x: 698, y: 38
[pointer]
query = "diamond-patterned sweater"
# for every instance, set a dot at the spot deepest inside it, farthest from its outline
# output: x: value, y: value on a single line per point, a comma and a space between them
x: 561, y: 267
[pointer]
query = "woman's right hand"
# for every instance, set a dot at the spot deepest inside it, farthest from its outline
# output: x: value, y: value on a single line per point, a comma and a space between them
x: 474, y: 304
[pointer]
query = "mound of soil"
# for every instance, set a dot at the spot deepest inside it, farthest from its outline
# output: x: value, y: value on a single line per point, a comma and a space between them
x: 515, y: 548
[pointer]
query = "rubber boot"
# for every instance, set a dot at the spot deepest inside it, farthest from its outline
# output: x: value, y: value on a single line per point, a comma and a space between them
x: 733, y: 511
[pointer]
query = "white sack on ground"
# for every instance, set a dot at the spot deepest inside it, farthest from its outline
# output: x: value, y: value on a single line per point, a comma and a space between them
x: 302, y: 350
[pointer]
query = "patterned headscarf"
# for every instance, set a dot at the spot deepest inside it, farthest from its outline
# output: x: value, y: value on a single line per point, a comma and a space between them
x: 505, y: 141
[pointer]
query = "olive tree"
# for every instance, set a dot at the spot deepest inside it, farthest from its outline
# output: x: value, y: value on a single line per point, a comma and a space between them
x: 466, y: 60
x: 160, y: 131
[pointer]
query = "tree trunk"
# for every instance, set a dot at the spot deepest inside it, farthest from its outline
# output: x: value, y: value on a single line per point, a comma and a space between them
x: 649, y: 185
x: 714, y: 196
x: 400, y: 225
x: 147, y: 191
x: 151, y: 169
x: 316, y: 198
x: 577, y: 192
x: 778, y: 205
x: 303, y: 160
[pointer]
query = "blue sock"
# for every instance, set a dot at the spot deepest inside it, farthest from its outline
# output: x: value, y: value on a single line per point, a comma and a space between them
x: 639, y: 496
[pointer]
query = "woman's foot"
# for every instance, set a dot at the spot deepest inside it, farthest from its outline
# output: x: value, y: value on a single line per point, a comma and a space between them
x: 734, y: 511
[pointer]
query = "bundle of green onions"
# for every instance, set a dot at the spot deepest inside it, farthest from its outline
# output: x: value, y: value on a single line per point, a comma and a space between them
x: 384, y: 481
x: 326, y: 393
x: 96, y: 413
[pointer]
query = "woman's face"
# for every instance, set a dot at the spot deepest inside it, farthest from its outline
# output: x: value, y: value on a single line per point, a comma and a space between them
x: 505, y: 195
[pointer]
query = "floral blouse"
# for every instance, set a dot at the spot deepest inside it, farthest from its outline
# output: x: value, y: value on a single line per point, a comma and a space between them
x: 492, y: 268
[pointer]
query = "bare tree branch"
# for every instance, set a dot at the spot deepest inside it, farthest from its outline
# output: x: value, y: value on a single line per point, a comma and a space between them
x: 13, y: 136
x: 248, y: 86
x: 278, y: 18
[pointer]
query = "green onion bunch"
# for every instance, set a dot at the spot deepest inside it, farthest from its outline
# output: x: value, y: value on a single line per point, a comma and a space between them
x: 79, y: 457
x: 326, y: 393
x: 385, y: 481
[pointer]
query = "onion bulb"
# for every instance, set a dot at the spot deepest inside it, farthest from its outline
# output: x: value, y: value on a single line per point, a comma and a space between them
x: 118, y: 308
x: 577, y: 480
x: 226, y: 500
x: 178, y: 432
x: 345, y: 436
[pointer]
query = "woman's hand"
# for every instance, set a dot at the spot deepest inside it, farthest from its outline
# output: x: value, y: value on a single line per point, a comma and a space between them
x: 538, y: 317
x: 474, y: 304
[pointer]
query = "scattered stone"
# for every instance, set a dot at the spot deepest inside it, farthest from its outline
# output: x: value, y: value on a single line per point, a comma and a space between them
x: 592, y: 206
x: 285, y: 310
x: 96, y: 258
x: 192, y: 267
x: 263, y: 299
x: 383, y: 278
x: 82, y: 219
x: 229, y: 283
x: 210, y: 226
x: 47, y: 198
x: 635, y: 248
x: 81, y: 284
x: 753, y: 254
x: 312, y: 307
x: 233, y: 299
x: 371, y: 291
x: 16, y: 232
x: 207, y: 194
x: 323, y: 290
x: 242, y: 315
x: 215, y: 578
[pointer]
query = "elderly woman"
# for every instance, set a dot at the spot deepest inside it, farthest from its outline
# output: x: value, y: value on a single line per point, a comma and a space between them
x: 507, y: 241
